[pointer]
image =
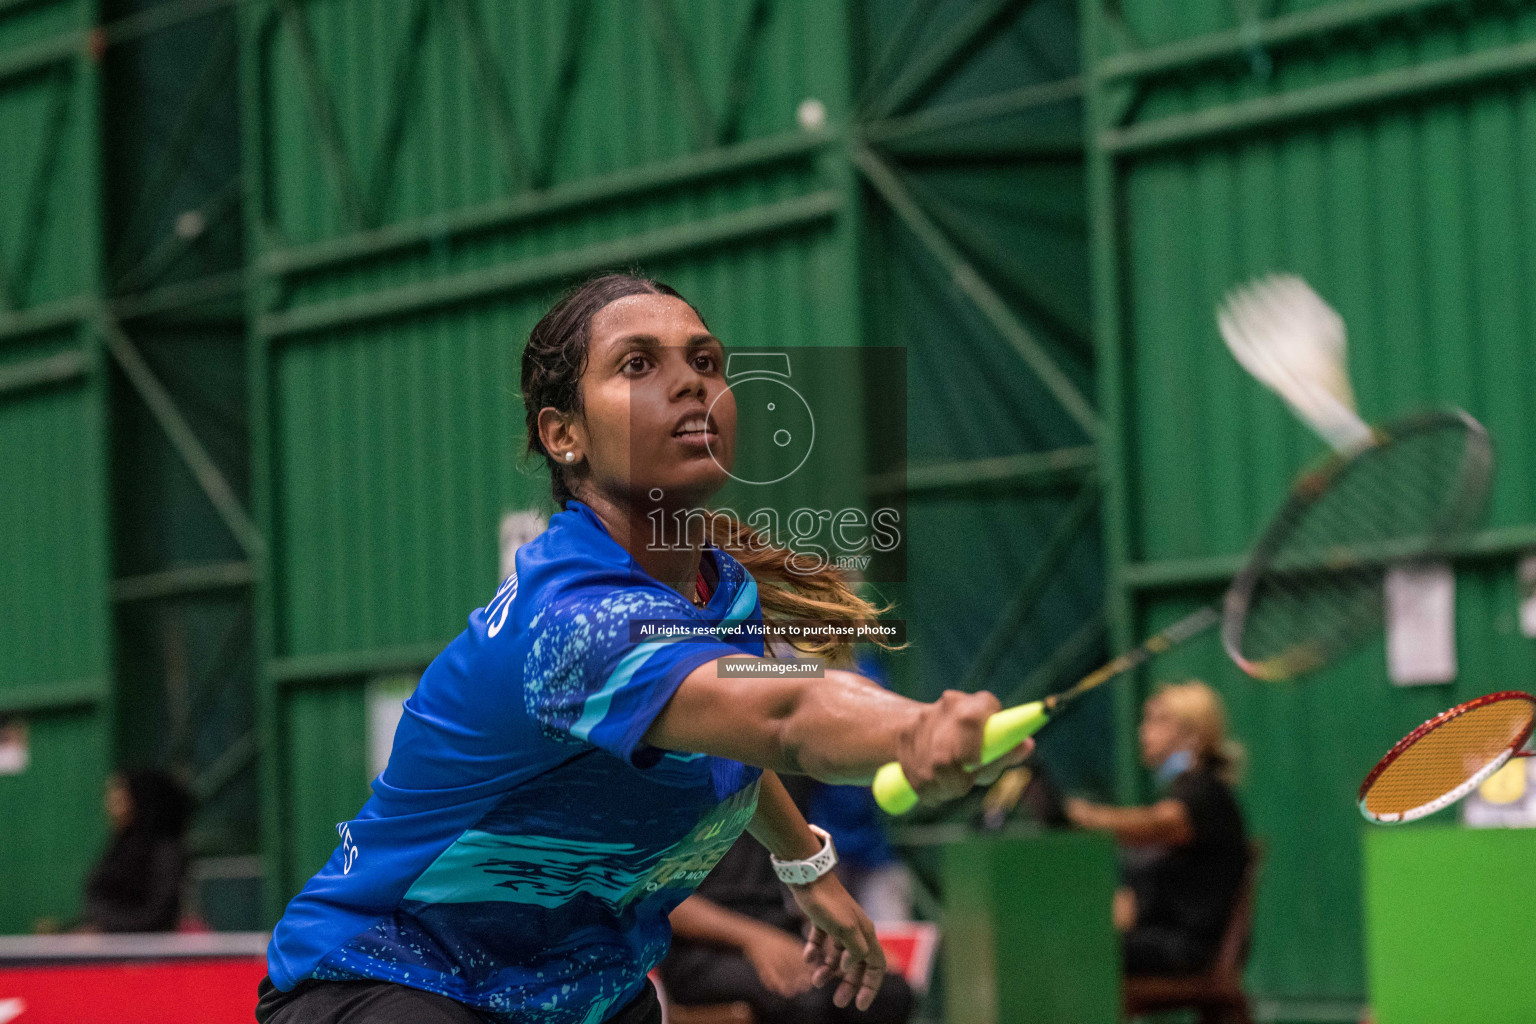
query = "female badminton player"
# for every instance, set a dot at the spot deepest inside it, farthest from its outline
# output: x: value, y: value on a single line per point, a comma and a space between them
x: 558, y: 782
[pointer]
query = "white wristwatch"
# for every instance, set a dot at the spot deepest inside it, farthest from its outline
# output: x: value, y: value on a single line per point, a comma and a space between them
x: 803, y: 872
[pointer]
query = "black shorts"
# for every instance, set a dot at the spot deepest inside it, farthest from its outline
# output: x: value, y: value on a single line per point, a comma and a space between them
x: 384, y: 1002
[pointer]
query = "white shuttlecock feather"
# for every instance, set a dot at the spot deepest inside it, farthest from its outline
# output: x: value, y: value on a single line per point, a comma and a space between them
x: 1290, y: 340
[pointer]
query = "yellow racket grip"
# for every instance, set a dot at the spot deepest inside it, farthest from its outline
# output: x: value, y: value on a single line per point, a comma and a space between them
x: 1004, y: 731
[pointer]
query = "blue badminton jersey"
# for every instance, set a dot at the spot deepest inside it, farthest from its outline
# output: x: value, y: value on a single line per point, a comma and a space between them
x: 523, y: 848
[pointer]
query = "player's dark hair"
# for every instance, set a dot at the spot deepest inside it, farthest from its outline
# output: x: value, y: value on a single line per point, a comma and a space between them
x: 553, y: 363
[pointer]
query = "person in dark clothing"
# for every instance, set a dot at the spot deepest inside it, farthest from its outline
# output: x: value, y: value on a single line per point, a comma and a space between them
x: 737, y: 938
x: 1186, y: 853
x: 136, y: 886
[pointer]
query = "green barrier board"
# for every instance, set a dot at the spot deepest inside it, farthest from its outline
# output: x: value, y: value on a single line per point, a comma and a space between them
x: 1449, y: 925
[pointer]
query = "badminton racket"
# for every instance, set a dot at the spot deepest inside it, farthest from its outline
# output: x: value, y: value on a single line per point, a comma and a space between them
x: 1312, y: 587
x: 1447, y: 757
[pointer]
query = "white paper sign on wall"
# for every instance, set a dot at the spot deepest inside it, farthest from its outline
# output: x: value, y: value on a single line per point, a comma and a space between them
x: 1528, y: 595
x: 517, y: 529
x: 1506, y: 799
x: 385, y: 699
x: 15, y: 753
x: 1421, y: 623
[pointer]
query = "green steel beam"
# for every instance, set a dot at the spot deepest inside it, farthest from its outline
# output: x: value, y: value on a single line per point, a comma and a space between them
x: 757, y: 155
x: 325, y: 668
x: 179, y: 296
x: 52, y: 316
x: 572, y: 55
x: 406, y: 62
x: 257, y: 23
x: 1033, y: 470
x: 44, y: 54
x: 903, y: 34
x: 968, y: 112
x: 1302, y: 27
x: 972, y: 286
x: 43, y: 175
x: 1057, y: 145
x: 10, y: 7
x: 1175, y: 573
x: 182, y: 437
x: 1005, y: 631
x: 738, y: 87
x: 322, y: 115
x: 63, y: 368
x: 1116, y: 32
x: 87, y: 106
x: 485, y: 74
x: 178, y: 582
x: 226, y: 768
x: 926, y: 72
x: 672, y: 43
x: 1104, y: 252
x: 1366, y: 90
x: 770, y: 218
x: 35, y: 697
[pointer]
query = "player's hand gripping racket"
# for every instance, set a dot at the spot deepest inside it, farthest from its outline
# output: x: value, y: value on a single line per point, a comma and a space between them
x: 1313, y: 585
x: 1447, y: 757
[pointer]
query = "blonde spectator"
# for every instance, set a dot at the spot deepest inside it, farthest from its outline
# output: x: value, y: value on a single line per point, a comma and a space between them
x: 1185, y: 853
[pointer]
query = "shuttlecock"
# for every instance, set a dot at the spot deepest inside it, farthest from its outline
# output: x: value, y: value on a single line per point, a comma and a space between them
x: 1291, y: 341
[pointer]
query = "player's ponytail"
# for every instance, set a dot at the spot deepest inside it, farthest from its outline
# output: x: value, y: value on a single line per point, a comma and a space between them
x: 790, y: 585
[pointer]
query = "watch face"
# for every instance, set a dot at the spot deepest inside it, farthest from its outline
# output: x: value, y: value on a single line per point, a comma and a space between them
x: 775, y: 430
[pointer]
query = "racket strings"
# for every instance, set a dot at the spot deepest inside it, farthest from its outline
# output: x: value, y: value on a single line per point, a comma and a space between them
x: 1321, y: 586
x: 1447, y: 756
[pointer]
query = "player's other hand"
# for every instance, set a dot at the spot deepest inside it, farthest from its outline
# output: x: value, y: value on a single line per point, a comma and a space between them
x: 776, y: 957
x: 947, y: 738
x: 841, y: 943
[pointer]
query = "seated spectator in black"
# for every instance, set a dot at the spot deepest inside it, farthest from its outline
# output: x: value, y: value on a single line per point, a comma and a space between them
x: 1186, y: 853
x: 738, y: 938
x: 136, y: 886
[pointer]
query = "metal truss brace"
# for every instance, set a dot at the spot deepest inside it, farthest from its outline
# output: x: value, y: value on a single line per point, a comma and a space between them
x: 182, y: 437
x: 970, y: 283
x: 1005, y: 631
x: 930, y: 70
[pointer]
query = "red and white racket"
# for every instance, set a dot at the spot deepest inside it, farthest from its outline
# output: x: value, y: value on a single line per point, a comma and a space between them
x: 1448, y: 757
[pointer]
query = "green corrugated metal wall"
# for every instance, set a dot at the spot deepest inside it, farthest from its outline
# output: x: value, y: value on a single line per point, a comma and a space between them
x: 429, y: 176
x: 989, y: 161
x: 54, y: 563
x: 1380, y: 150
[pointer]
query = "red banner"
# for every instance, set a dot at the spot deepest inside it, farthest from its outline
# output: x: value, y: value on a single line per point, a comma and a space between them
x: 200, y: 991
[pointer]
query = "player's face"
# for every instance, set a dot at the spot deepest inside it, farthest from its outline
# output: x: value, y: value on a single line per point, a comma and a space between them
x: 1161, y: 733
x: 658, y: 412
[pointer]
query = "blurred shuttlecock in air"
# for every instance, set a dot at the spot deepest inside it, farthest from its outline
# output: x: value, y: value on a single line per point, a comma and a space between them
x: 1290, y: 340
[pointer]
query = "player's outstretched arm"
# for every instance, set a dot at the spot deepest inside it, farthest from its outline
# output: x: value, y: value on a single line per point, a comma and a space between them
x: 840, y: 728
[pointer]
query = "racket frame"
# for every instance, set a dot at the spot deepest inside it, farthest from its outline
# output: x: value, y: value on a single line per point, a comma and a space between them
x: 1476, y: 779
x: 1472, y: 494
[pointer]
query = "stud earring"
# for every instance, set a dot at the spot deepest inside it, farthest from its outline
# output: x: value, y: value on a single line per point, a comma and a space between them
x: 570, y: 456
